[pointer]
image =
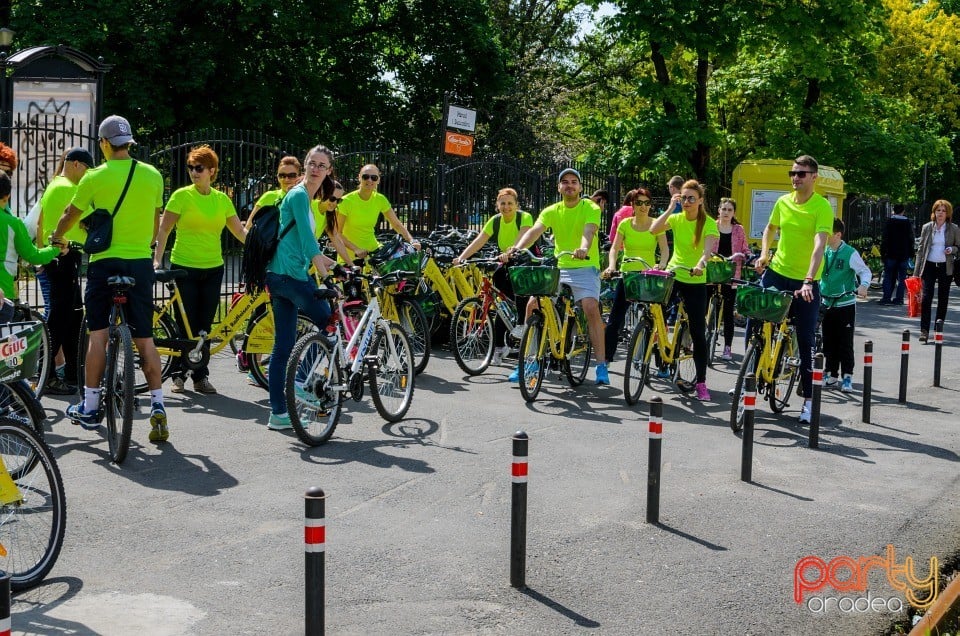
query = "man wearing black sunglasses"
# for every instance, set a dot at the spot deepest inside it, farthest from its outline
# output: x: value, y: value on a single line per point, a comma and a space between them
x: 804, y: 221
x: 360, y: 211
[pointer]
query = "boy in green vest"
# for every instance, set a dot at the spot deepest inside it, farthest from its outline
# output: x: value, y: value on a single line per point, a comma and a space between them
x: 842, y: 268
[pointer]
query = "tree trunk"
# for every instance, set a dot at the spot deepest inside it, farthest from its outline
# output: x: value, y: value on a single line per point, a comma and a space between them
x: 663, y: 78
x: 700, y: 159
x: 811, y: 100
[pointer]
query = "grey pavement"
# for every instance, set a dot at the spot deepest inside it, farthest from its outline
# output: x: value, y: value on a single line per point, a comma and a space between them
x: 203, y: 535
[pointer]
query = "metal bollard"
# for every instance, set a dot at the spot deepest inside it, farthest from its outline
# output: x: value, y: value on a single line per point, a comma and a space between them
x: 653, y: 460
x: 6, y: 626
x: 814, y: 441
x: 904, y: 363
x: 938, y: 351
x: 749, y: 407
x: 518, y: 511
x: 315, y: 541
x: 867, y: 379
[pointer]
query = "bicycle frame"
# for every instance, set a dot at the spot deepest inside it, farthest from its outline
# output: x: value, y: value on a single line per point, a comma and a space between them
x: 451, y: 295
x: 555, y: 327
x: 771, y: 336
x: 669, y: 343
x: 360, y: 339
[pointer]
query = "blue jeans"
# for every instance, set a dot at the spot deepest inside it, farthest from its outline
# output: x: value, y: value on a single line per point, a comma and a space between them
x: 894, y: 273
x: 44, y: 281
x: 805, y: 315
x: 287, y: 297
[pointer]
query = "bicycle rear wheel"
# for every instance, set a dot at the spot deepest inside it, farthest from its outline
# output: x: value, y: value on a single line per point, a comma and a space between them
x: 258, y: 344
x: 748, y: 366
x: 713, y: 328
x: 639, y: 354
x: 32, y: 527
x: 784, y: 375
x: 471, y: 336
x: 165, y: 330
x: 578, y: 348
x: 391, y: 374
x: 18, y: 401
x: 312, y: 402
x: 418, y: 328
x: 38, y: 381
x: 118, y: 396
x: 685, y: 369
x: 532, y: 365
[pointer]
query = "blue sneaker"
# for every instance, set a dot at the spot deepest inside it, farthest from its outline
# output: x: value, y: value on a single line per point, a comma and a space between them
x: 514, y: 375
x: 663, y: 374
x: 603, y: 378
x: 279, y: 422
x: 89, y: 421
x: 158, y: 423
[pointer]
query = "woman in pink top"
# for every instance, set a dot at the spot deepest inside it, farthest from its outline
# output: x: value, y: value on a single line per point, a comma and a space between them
x: 623, y: 213
x: 733, y: 240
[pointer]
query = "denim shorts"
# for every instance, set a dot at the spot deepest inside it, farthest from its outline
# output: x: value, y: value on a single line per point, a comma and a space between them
x: 584, y: 281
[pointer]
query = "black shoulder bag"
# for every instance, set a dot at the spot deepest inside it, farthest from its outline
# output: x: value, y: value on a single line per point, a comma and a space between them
x: 99, y: 223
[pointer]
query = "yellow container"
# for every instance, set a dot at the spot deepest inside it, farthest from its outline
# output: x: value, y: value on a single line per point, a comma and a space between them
x: 757, y: 184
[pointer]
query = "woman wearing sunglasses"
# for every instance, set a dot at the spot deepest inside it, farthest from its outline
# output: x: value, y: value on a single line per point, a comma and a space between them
x: 199, y: 212
x: 361, y: 209
x: 288, y: 175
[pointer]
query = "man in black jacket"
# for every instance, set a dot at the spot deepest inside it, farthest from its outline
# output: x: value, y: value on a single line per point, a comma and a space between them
x: 896, y: 248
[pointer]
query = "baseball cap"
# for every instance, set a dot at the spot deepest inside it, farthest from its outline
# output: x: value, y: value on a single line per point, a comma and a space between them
x: 567, y: 171
x: 116, y: 130
x: 82, y: 155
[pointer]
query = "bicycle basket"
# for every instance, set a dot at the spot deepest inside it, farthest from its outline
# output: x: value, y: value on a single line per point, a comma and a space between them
x: 19, y: 350
x: 719, y: 272
x: 408, y: 263
x: 763, y: 304
x: 651, y: 286
x: 534, y: 280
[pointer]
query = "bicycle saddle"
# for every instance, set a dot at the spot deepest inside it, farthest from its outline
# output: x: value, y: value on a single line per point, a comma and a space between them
x: 121, y: 281
x: 167, y: 275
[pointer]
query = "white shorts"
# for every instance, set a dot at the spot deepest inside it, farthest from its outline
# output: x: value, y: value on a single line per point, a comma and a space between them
x: 584, y: 281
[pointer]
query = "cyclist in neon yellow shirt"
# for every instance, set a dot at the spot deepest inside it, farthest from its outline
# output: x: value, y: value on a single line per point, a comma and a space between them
x: 134, y: 229
x: 805, y: 222
x: 574, y: 222
x: 199, y: 212
x: 360, y: 210
x: 695, y: 239
x: 288, y: 175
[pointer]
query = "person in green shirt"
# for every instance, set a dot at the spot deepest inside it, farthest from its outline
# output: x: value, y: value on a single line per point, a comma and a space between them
x: 288, y: 174
x: 359, y: 212
x: 129, y: 254
x: 574, y: 222
x: 65, y: 313
x: 199, y: 212
x: 695, y: 238
x: 804, y: 220
x: 508, y: 223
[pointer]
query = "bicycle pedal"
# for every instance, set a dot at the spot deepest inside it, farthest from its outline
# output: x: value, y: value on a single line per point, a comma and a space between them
x: 793, y: 362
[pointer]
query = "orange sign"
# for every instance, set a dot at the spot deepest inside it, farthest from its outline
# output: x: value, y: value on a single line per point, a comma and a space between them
x: 458, y: 144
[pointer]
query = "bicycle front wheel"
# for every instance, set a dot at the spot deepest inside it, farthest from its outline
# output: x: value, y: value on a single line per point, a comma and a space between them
x: 748, y: 366
x: 684, y: 366
x: 33, y: 524
x: 165, y: 330
x: 391, y: 372
x: 532, y: 365
x: 258, y: 344
x: 713, y: 329
x: 578, y: 348
x: 118, y: 396
x: 18, y: 401
x: 471, y: 336
x: 38, y: 381
x: 313, y: 401
x: 637, y: 371
x: 784, y: 375
x: 415, y: 323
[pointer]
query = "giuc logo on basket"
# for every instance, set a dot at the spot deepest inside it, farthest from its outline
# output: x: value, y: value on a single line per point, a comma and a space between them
x: 12, y: 349
x: 850, y: 577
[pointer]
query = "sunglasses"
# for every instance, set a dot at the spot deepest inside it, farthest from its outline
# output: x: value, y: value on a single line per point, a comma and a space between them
x: 370, y: 177
x: 689, y: 199
x: 643, y: 202
x: 799, y: 173
x: 313, y: 165
x: 287, y: 175
x: 333, y: 199
x: 198, y: 168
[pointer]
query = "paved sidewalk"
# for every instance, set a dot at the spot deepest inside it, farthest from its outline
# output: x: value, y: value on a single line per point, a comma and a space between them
x: 204, y: 535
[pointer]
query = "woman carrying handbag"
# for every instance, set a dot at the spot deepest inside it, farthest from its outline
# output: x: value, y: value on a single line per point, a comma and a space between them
x: 939, y: 246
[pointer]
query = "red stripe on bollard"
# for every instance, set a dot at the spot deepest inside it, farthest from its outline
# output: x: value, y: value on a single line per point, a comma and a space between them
x: 868, y: 361
x: 518, y: 470
x: 749, y: 401
x: 314, y: 535
x: 938, y: 338
x: 817, y: 377
x: 656, y: 429
x: 904, y: 346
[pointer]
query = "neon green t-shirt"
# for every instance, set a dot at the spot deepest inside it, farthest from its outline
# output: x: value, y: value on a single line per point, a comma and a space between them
x: 508, y: 230
x: 270, y: 197
x: 799, y: 224
x: 134, y: 222
x: 202, y: 219
x: 17, y: 244
x: 567, y: 226
x: 685, y: 253
x: 637, y: 243
x: 55, y: 199
x: 361, y: 218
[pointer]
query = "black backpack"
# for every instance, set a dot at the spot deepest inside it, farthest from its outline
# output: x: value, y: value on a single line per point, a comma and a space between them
x: 261, y: 245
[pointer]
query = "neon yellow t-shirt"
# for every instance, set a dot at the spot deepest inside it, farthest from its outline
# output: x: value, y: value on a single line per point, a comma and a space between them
x: 685, y: 253
x: 54, y: 201
x: 361, y: 218
x: 270, y: 197
x: 567, y: 226
x: 799, y: 224
x: 133, y: 224
x: 637, y: 243
x: 202, y: 219
x: 508, y: 230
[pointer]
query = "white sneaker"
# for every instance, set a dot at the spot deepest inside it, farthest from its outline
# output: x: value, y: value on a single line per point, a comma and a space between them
x: 517, y: 331
x: 805, y: 413
x: 498, y: 354
x: 829, y: 380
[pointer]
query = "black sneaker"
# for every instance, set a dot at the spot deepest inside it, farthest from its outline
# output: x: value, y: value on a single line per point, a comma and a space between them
x: 56, y: 386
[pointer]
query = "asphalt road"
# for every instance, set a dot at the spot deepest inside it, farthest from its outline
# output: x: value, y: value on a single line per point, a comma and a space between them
x: 203, y: 535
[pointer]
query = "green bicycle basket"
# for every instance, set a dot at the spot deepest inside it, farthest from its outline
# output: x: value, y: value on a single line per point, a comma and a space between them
x: 719, y: 272
x: 534, y: 280
x: 648, y: 287
x: 763, y: 304
x: 19, y: 350
x: 411, y: 262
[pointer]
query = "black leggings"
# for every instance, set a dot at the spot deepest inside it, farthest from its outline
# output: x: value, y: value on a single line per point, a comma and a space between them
x: 66, y: 310
x: 934, y: 274
x: 200, y: 291
x: 694, y: 296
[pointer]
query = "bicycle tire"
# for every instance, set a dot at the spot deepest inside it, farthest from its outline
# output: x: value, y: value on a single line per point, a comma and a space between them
x: 471, y: 336
x: 684, y: 367
x: 45, y: 356
x: 18, y: 401
x: 31, y: 530
x: 164, y: 328
x: 713, y: 329
x: 747, y: 366
x: 117, y: 392
x: 784, y: 376
x: 313, y: 406
x: 531, y: 365
x: 414, y: 321
x: 391, y: 377
x: 577, y: 349
x: 262, y: 330
x: 636, y: 373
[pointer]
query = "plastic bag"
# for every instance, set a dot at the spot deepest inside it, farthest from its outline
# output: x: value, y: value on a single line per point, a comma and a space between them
x: 914, y: 296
